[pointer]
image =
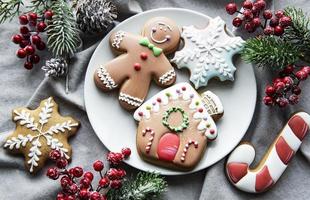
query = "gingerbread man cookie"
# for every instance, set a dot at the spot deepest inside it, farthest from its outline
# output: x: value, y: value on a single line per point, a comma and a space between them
x: 39, y: 131
x: 175, y: 125
x: 143, y: 58
x: 208, y: 52
x: 275, y: 161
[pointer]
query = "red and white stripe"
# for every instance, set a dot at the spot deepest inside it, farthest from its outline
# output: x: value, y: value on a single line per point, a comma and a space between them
x: 267, y: 174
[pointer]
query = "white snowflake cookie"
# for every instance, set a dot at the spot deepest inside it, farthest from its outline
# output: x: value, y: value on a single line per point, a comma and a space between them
x: 208, y: 52
x: 40, y: 131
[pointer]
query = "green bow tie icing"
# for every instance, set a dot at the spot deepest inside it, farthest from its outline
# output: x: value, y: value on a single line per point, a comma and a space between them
x: 145, y: 42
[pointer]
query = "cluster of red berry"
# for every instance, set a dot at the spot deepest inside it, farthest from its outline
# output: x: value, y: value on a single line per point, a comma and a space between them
x: 77, y: 184
x: 251, y: 18
x: 285, y: 89
x: 29, y: 39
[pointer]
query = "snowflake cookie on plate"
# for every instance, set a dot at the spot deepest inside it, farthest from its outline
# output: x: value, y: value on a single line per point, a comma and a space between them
x: 39, y: 131
x: 208, y: 52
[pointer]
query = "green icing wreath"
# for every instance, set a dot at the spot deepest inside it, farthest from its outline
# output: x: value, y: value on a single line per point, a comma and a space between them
x: 185, y: 119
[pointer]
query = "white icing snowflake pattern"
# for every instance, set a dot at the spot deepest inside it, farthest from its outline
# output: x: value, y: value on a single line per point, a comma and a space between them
x: 25, y: 119
x: 208, y: 52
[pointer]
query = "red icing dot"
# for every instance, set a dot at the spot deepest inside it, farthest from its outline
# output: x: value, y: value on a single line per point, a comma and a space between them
x: 143, y: 56
x: 168, y: 146
x: 140, y: 114
x: 183, y: 88
x: 158, y: 100
x: 200, y: 110
x: 137, y: 66
x: 212, y: 131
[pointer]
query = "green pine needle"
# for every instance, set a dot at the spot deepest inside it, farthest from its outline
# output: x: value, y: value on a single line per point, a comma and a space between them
x: 269, y: 51
x: 145, y: 186
x: 39, y: 6
x: 63, y: 36
x: 9, y: 9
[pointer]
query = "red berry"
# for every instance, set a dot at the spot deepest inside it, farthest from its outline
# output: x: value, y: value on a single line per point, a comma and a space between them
x: 28, y: 65
x: 126, y: 152
x: 113, y: 174
x: 256, y: 21
x: 279, y: 13
x: 255, y: 11
x: 21, y: 53
x: 40, y: 46
x: 35, y: 39
x: 285, y: 21
x: 77, y: 172
x: 249, y: 26
x: 24, y: 30
x: 104, y: 182
x: 95, y: 196
x: 301, y: 75
x: 268, y: 30
x: 61, y: 163
x: 83, y: 194
x: 277, y: 80
x: 30, y: 49
x: 85, y: 183
x: 17, y: 39
x: 278, y: 30
x: 268, y: 100
x: 115, y: 158
x: 48, y: 14
x: 288, y: 81
x: 41, y: 26
x: 52, y: 173
x: 267, y: 14
x: 54, y: 155
x: 248, y: 15
x: 296, y: 90
x: 279, y: 86
x: 273, y: 22
x: 237, y: 21
x: 32, y: 16
x: 293, y: 99
x: 89, y: 175
x: 70, y: 197
x: 23, y: 20
x: 282, y: 102
x: 306, y: 69
x: 289, y: 69
x: 98, y: 165
x: 65, y: 181
x: 24, y: 43
x: 247, y: 4
x: 73, y: 188
x: 32, y: 23
x: 231, y: 8
x: 269, y: 90
x: 260, y: 4
x: 116, y: 184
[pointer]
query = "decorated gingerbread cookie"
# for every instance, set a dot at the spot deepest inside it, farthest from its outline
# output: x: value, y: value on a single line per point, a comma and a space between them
x: 274, y: 162
x: 175, y: 125
x: 143, y: 58
x: 208, y: 52
x: 39, y: 131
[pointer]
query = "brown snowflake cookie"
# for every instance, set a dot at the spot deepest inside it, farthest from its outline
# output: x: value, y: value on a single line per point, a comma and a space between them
x: 39, y: 131
x: 175, y: 125
x: 143, y: 58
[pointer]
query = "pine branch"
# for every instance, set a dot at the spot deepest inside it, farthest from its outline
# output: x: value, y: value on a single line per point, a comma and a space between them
x: 146, y: 186
x: 63, y: 36
x: 39, y: 6
x: 299, y: 33
x: 269, y: 51
x: 9, y: 9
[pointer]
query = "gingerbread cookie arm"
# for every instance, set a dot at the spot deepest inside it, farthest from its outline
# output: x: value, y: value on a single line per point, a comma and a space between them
x: 164, y: 73
x: 275, y: 161
x: 122, y: 41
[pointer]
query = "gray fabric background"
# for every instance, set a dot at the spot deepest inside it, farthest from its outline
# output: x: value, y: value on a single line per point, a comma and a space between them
x: 20, y: 87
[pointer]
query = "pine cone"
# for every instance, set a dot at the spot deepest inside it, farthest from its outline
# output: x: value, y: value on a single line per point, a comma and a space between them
x: 95, y: 15
x: 55, y: 67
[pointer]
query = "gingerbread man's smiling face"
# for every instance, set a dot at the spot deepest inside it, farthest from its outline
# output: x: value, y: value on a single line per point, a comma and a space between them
x: 163, y: 33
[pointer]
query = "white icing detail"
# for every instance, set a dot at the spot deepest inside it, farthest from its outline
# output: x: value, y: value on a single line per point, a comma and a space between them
x: 154, y: 31
x: 25, y: 119
x: 245, y: 153
x: 118, y: 38
x: 105, y: 78
x: 208, y: 52
x: 212, y: 103
x: 187, y: 145
x: 168, y: 76
x: 176, y: 92
x: 134, y: 101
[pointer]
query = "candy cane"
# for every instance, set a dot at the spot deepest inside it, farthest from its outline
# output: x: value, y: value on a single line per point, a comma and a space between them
x: 275, y: 161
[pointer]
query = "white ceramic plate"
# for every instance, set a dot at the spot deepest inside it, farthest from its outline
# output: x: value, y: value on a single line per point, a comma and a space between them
x: 116, y: 128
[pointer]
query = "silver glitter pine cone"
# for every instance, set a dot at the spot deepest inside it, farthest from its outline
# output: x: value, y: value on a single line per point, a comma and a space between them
x: 55, y: 67
x: 95, y: 16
